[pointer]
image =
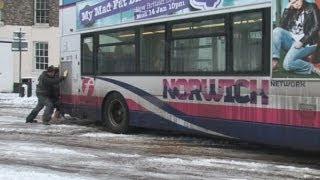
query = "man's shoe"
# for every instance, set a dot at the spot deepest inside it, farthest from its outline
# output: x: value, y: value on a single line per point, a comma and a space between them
x: 32, y: 121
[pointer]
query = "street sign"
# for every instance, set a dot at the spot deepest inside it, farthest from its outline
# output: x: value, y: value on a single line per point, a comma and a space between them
x: 17, y: 35
x: 15, y: 46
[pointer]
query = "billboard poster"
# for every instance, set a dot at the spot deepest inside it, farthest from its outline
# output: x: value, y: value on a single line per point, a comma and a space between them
x: 295, y: 39
x: 98, y: 13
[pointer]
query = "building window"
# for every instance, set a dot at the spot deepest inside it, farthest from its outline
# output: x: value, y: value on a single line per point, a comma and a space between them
x: 41, y: 11
x: 41, y: 55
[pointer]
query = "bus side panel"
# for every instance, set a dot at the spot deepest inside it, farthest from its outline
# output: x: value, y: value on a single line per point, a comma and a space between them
x: 68, y: 19
x: 274, y: 118
x: 285, y: 136
x: 70, y: 61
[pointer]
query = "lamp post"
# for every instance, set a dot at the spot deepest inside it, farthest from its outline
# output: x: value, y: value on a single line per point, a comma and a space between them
x: 20, y: 37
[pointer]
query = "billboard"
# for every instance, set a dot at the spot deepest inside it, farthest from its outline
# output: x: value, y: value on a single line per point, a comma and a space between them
x: 295, y: 51
x: 98, y: 13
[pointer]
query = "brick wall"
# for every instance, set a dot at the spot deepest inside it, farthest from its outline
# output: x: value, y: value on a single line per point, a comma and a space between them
x: 54, y: 13
x: 21, y: 12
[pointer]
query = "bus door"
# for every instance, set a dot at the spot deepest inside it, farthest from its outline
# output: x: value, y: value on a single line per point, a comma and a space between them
x: 87, y: 97
x: 69, y: 88
x: 70, y: 61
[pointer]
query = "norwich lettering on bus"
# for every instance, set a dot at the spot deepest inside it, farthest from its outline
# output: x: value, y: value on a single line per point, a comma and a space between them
x: 226, y: 90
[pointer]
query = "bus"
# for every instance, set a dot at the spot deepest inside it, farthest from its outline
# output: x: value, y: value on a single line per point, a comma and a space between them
x: 206, y: 67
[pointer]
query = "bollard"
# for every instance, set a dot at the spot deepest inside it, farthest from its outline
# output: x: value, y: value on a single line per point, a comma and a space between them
x: 25, y: 90
x: 21, y: 91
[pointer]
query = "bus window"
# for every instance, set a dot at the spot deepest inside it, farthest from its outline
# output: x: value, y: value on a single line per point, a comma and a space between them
x: 247, y: 42
x: 116, y: 59
x: 87, y: 56
x: 152, y: 48
x: 116, y: 37
x: 198, y: 47
x: 116, y: 52
x: 199, y: 28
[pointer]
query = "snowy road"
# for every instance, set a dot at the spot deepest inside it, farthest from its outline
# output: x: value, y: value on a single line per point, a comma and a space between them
x: 77, y: 149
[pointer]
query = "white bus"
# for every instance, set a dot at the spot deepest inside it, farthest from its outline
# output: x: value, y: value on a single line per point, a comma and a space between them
x: 198, y: 66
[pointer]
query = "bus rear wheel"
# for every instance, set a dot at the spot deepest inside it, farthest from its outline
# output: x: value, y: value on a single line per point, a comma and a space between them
x: 116, y: 114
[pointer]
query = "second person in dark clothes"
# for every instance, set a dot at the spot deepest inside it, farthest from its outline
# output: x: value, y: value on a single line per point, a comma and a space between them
x: 44, y: 91
x: 55, y: 96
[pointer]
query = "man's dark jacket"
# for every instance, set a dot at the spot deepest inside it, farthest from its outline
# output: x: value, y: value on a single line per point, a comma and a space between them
x: 311, y: 22
x: 46, y: 84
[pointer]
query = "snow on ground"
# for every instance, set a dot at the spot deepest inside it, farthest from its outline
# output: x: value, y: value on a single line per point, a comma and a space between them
x: 125, y: 137
x: 42, y: 150
x: 17, y: 172
x: 116, y: 164
x: 9, y: 124
x: 104, y: 135
x: 239, y: 165
x: 7, y: 96
x: 95, y: 154
x: 14, y: 99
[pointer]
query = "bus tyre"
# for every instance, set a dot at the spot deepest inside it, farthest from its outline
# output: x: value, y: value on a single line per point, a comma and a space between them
x: 116, y: 114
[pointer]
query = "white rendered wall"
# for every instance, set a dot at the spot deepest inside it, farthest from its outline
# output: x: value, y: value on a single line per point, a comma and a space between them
x: 6, y: 67
x: 33, y: 34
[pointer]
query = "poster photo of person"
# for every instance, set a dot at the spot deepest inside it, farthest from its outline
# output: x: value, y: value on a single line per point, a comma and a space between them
x: 295, y: 39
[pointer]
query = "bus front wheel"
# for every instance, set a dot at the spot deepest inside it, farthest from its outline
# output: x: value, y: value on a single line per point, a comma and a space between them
x: 116, y: 114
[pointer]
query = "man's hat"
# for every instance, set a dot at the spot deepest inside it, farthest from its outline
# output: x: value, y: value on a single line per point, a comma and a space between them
x: 50, y: 68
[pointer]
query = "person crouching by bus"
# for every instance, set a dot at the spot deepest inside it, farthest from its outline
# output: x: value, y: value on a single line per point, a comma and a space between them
x: 46, y: 82
x: 298, y: 35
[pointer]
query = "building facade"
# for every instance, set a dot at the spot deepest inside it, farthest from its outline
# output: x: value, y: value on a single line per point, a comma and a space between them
x: 39, y: 20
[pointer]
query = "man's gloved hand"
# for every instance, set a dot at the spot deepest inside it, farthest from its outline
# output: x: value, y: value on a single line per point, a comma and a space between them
x: 65, y: 74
